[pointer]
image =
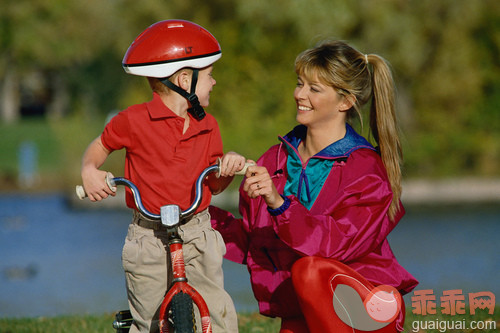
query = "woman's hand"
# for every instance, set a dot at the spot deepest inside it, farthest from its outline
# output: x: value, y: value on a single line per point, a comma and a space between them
x: 259, y: 183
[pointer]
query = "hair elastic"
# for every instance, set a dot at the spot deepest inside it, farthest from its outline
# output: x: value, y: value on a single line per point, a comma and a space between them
x: 366, y: 59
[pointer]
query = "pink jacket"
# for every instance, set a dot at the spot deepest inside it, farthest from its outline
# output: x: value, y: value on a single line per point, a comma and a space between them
x: 348, y: 222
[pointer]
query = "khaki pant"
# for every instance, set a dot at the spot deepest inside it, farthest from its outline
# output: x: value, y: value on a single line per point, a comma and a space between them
x: 148, y: 273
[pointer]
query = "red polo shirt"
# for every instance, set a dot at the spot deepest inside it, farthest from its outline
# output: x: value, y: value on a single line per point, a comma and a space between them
x: 160, y: 160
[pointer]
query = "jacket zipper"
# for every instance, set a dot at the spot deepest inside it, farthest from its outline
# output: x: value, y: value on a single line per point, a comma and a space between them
x: 270, y: 259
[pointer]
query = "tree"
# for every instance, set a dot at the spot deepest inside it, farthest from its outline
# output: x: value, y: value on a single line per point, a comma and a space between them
x: 53, y: 37
x: 444, y: 54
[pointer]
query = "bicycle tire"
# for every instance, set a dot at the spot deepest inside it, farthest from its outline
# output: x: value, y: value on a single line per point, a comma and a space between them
x: 182, y: 313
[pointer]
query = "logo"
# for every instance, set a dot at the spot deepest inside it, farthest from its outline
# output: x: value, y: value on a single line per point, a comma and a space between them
x: 380, y: 306
x: 383, y: 304
x: 178, y: 263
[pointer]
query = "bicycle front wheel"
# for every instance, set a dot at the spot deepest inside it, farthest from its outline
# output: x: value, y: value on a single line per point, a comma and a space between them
x: 182, y: 313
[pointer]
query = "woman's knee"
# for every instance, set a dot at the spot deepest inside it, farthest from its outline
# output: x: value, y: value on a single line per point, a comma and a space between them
x: 302, y: 269
x: 294, y: 325
x: 307, y: 270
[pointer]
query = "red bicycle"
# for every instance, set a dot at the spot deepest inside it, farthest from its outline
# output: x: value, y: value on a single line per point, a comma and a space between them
x: 176, y: 311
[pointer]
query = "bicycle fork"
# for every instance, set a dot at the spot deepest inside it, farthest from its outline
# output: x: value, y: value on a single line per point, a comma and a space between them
x: 180, y: 283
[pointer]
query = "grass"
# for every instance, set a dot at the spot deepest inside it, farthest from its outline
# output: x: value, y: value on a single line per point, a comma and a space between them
x: 35, y: 133
x: 62, y: 324
x: 58, y: 145
x: 248, y: 323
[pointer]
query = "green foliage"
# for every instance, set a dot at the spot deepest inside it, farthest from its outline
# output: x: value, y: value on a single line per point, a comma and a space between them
x: 46, y: 150
x: 445, y: 55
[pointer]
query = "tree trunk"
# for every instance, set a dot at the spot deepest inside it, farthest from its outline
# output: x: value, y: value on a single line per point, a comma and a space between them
x: 60, y: 97
x: 10, y: 110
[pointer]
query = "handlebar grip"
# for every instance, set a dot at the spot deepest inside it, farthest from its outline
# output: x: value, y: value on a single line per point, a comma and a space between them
x: 80, y: 191
x: 244, y: 170
x: 237, y: 173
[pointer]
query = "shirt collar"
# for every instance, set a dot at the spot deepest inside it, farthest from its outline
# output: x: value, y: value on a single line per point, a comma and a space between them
x: 341, y: 148
x: 157, y: 109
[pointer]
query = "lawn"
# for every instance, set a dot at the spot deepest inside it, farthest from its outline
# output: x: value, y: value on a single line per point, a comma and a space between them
x: 248, y: 323
x: 253, y: 323
x: 56, y: 149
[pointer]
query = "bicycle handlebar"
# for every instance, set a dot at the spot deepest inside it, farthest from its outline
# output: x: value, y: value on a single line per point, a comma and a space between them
x: 138, y: 201
x: 112, y: 182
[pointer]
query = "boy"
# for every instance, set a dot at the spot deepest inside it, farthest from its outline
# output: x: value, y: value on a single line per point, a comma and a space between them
x: 168, y: 142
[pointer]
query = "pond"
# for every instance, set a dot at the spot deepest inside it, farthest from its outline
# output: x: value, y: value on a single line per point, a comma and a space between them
x: 59, y: 260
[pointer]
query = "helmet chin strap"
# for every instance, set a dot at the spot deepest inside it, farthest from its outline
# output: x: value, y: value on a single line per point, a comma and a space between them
x: 196, y: 110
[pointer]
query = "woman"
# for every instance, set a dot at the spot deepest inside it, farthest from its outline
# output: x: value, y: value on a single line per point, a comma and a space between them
x: 317, y: 208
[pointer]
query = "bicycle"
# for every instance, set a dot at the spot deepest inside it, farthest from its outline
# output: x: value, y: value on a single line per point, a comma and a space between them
x: 177, y: 309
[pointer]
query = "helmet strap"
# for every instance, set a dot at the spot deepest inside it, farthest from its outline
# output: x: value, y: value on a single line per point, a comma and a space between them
x: 196, y: 110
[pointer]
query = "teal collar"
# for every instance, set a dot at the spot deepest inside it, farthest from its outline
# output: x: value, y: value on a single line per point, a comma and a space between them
x: 312, y: 175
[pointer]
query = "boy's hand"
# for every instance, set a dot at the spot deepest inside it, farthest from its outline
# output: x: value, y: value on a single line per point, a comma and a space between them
x: 95, y: 185
x: 230, y: 163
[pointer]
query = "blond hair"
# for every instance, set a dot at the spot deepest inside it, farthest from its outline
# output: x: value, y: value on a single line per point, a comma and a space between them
x: 347, y: 70
x: 158, y: 87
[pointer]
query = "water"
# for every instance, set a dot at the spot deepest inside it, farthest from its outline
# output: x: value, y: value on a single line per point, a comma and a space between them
x: 56, y: 260
x: 450, y: 248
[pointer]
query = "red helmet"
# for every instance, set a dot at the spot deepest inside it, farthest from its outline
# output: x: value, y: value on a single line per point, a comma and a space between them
x: 167, y: 46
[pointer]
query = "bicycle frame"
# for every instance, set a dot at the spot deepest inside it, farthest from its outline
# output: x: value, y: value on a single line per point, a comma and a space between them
x: 170, y: 217
x: 180, y: 284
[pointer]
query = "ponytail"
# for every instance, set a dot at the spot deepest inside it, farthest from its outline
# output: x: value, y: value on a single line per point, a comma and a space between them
x: 383, y: 125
